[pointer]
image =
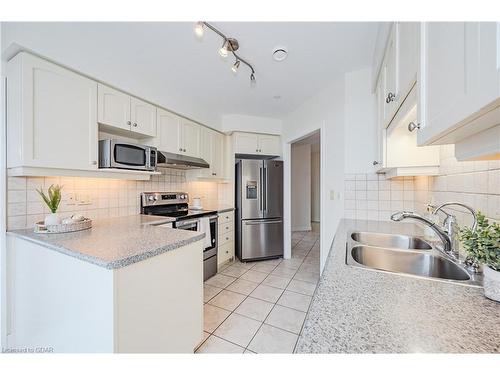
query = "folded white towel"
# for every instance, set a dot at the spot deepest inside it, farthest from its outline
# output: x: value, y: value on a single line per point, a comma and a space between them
x: 204, y: 227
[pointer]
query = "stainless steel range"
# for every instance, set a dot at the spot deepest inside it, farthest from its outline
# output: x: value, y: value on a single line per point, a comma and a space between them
x: 175, y: 205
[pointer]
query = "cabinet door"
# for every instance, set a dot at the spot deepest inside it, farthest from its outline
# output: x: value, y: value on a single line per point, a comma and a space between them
x: 190, y: 138
x: 458, y: 74
x: 168, y: 132
x: 143, y: 117
x: 391, y: 80
x: 57, y: 109
x: 218, y: 155
x: 269, y: 145
x: 113, y: 107
x: 206, y: 151
x: 246, y: 143
x: 379, y: 162
x: 407, y: 37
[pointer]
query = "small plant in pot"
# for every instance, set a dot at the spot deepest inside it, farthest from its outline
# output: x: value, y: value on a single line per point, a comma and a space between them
x: 52, y: 200
x: 483, y: 248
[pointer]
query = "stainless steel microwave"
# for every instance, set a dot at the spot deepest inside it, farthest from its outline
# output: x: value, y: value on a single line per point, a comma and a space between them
x: 114, y: 153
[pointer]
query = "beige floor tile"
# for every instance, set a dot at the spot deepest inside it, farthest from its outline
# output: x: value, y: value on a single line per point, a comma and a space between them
x: 212, y: 317
x: 242, y: 286
x: 227, y: 300
x: 238, y: 329
x: 273, y: 340
x: 254, y: 276
x: 215, y: 344
x: 254, y: 308
x: 302, y: 287
x: 206, y: 335
x: 234, y: 271
x: 276, y: 281
x: 286, y: 318
x: 294, y: 300
x: 246, y: 265
x: 284, y: 272
x: 310, y: 277
x: 266, y: 293
x: 291, y: 263
x: 209, y: 292
x: 262, y: 267
x: 220, y: 281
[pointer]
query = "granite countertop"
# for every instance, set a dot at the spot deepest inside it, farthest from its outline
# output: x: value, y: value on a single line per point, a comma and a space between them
x: 364, y: 311
x: 117, y: 242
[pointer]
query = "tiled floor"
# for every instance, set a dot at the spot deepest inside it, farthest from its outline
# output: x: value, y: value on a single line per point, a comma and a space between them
x: 260, y: 307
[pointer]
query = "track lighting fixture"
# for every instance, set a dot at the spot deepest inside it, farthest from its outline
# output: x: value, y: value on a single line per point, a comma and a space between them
x: 229, y: 45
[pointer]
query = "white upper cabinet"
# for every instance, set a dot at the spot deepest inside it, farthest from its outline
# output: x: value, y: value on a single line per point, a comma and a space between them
x: 113, y: 107
x: 459, y: 80
x: 257, y: 144
x: 190, y: 138
x: 51, y: 116
x: 143, y: 117
x: 391, y: 78
x: 168, y: 132
x: 117, y: 110
x: 407, y: 56
x: 212, y: 151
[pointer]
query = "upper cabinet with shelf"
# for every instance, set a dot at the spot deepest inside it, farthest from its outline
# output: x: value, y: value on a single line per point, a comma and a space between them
x: 257, y: 144
x: 117, y: 110
x: 459, y: 94
x: 51, y: 116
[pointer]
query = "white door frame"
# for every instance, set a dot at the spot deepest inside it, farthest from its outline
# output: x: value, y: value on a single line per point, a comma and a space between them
x: 287, y: 182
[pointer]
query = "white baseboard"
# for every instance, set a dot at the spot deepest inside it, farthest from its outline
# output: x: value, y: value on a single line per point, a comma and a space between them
x: 301, y: 229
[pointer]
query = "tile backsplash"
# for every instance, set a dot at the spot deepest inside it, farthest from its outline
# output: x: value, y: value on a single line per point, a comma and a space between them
x: 476, y: 183
x: 103, y: 198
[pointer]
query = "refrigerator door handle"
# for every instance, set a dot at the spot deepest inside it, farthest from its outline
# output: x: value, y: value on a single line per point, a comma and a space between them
x: 259, y: 222
x: 260, y: 190
x: 265, y: 189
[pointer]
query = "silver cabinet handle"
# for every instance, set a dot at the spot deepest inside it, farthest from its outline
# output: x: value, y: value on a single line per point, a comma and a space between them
x: 390, y: 97
x: 412, y: 126
x: 128, y: 123
x: 375, y: 162
x: 93, y: 162
x: 180, y: 149
x: 135, y: 124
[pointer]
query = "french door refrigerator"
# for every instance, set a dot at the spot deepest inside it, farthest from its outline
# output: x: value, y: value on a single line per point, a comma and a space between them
x: 259, y: 209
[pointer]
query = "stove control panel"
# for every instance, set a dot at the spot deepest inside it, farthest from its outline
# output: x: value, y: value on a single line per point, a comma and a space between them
x: 161, y: 198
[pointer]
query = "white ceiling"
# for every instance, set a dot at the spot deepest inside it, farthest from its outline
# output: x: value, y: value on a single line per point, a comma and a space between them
x: 167, y: 64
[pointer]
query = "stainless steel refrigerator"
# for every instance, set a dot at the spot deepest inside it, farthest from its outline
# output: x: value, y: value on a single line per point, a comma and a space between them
x: 259, y: 209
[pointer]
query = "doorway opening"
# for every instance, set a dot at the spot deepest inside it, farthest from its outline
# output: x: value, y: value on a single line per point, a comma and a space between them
x: 305, y: 206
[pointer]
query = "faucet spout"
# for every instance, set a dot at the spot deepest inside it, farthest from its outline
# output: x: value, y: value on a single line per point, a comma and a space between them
x: 445, y: 239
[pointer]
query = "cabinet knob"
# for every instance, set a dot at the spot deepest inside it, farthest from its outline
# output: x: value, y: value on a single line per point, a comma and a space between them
x: 94, y: 162
x: 375, y: 162
x: 180, y: 149
x: 135, y: 124
x: 184, y: 149
x: 412, y: 126
x: 128, y: 123
x: 257, y: 150
x: 390, y: 97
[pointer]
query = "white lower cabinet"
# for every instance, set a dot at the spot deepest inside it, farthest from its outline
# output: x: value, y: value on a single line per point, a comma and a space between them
x: 225, y: 250
x: 51, y: 116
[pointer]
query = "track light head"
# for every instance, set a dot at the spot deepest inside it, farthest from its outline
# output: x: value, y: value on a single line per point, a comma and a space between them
x: 224, y: 49
x: 235, y: 66
x: 199, y: 29
x: 252, y: 79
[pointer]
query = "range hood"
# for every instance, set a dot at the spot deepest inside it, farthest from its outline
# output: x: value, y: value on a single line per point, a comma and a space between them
x: 176, y: 161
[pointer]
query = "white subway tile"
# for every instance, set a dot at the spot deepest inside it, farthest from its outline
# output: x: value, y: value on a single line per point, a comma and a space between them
x: 360, y: 185
x: 16, y: 183
x: 372, y: 185
x: 372, y: 195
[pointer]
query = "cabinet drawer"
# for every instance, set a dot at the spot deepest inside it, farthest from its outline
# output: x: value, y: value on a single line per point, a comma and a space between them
x: 225, y: 253
x: 225, y: 238
x: 226, y: 217
x: 226, y: 227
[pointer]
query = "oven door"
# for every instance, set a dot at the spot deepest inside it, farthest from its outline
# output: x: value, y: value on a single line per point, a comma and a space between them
x: 130, y: 156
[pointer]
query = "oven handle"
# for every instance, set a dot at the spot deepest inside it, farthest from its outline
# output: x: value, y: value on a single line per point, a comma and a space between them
x: 186, y: 222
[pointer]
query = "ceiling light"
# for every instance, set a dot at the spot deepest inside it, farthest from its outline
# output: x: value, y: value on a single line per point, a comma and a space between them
x: 235, y: 66
x: 199, y: 29
x: 224, y: 50
x: 280, y: 53
x: 229, y: 45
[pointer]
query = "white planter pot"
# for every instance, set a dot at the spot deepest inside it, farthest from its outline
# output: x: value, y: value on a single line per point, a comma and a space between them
x: 52, y: 219
x: 491, y: 283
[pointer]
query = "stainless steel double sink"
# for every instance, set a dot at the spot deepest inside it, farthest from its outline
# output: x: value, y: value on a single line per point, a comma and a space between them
x: 406, y: 255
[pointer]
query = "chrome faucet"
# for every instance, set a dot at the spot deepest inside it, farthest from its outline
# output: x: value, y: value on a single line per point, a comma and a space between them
x: 449, y: 232
x: 443, y: 236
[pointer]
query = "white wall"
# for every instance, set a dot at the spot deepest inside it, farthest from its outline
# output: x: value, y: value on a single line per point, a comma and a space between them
x: 234, y: 122
x: 324, y: 111
x: 360, y: 122
x: 301, y: 187
x: 3, y: 205
x: 315, y: 187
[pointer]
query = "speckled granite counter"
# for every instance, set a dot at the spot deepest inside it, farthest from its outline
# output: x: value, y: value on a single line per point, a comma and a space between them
x: 363, y: 311
x: 117, y: 242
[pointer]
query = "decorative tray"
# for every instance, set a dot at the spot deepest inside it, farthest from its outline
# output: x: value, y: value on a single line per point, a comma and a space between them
x: 40, y: 227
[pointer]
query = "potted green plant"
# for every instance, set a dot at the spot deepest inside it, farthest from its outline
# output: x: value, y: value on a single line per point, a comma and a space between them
x: 52, y: 200
x: 483, y: 248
